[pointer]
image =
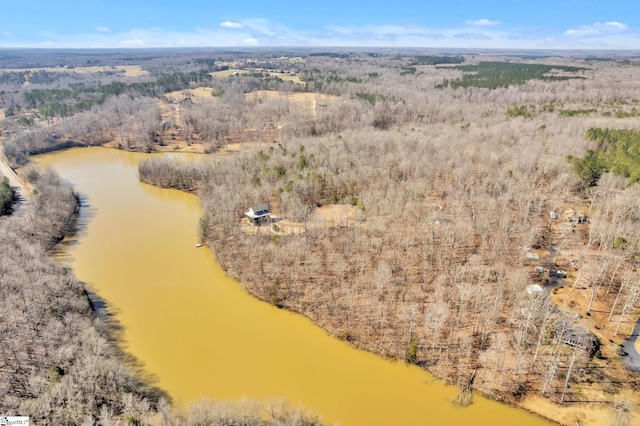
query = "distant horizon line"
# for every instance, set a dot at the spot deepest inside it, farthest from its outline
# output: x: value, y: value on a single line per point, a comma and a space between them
x: 470, y: 50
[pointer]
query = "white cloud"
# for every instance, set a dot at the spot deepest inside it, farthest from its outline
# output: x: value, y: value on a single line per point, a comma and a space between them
x: 414, y: 36
x: 262, y: 26
x: 582, y: 31
x: 264, y: 33
x: 614, y: 24
x: 132, y: 43
x: 597, y: 29
x: 471, y: 36
x: 103, y: 29
x: 229, y: 24
x: 482, y: 22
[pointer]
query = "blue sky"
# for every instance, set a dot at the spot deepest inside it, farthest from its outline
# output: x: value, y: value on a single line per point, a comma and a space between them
x: 557, y: 24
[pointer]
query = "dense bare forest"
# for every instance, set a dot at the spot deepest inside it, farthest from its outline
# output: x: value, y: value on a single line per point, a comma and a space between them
x: 484, y: 211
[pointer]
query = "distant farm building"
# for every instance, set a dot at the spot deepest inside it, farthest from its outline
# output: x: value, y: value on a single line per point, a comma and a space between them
x: 259, y: 214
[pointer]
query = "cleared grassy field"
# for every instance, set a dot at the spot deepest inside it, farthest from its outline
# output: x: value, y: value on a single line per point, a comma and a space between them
x: 229, y: 72
x: 198, y: 92
x: 288, y: 77
x: 132, y: 70
x: 232, y: 71
x: 129, y: 70
x: 302, y: 97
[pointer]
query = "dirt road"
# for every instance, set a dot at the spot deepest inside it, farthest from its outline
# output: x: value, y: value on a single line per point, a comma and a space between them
x: 21, y: 187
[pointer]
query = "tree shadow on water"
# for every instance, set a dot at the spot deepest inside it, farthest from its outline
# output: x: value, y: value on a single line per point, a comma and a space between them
x: 142, y: 382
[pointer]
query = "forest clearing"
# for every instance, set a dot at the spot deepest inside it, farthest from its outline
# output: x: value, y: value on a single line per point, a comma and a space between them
x: 126, y: 70
x: 433, y: 192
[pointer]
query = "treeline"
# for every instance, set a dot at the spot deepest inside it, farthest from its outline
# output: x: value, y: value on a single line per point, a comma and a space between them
x: 82, y: 96
x: 7, y: 197
x: 52, y: 212
x: 493, y: 75
x: 530, y: 111
x: 83, y: 113
x: 437, y: 60
x: 273, y: 412
x: 616, y: 150
x: 386, y: 100
x: 37, y: 77
x: 13, y: 78
x: 172, y: 173
x: 57, y: 362
x: 135, y: 123
x: 132, y: 122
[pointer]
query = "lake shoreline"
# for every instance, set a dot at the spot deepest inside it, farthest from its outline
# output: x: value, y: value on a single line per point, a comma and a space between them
x: 94, y: 203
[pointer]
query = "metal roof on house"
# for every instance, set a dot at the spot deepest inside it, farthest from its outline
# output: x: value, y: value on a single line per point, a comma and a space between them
x: 258, y: 211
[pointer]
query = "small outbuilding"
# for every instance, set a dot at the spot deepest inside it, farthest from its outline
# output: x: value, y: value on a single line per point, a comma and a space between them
x: 259, y: 214
x: 576, y: 336
x: 534, y: 290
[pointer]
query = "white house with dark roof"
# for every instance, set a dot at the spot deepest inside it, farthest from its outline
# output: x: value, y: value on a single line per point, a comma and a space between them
x: 259, y: 214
